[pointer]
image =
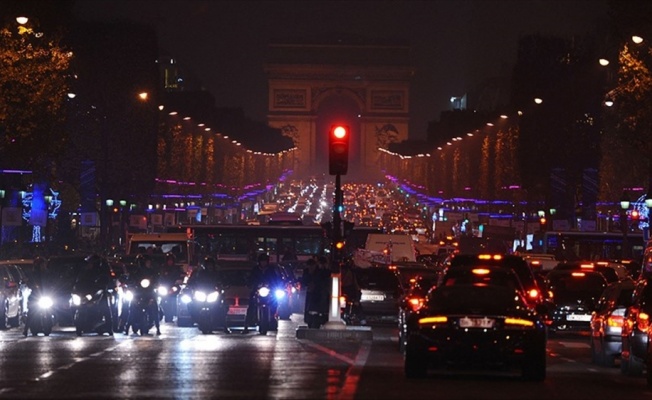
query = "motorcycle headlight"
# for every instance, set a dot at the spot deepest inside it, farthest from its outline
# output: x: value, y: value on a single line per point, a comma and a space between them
x: 129, y: 295
x: 145, y: 283
x: 263, y: 291
x: 279, y: 293
x: 212, y: 298
x: 76, y: 300
x: 200, y: 296
x: 162, y: 290
x: 45, y: 302
x: 185, y: 299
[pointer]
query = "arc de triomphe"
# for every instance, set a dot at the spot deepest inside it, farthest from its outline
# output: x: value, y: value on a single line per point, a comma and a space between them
x: 313, y: 86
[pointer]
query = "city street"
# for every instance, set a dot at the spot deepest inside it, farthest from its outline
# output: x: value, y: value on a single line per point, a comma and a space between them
x: 183, y: 363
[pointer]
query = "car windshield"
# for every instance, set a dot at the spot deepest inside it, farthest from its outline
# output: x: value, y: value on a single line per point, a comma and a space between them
x: 409, y: 275
x: 377, y: 278
x: 473, y: 299
x: 576, y: 285
x: 486, y: 275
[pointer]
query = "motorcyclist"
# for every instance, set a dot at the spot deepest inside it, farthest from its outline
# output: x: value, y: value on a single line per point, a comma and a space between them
x: 37, y: 280
x: 170, y: 275
x: 262, y: 273
x: 145, y: 270
x: 95, y: 276
x: 207, y: 277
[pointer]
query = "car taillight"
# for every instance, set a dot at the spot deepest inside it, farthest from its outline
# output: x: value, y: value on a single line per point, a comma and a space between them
x: 415, y: 303
x: 533, y: 293
x: 615, y: 321
x: 642, y: 321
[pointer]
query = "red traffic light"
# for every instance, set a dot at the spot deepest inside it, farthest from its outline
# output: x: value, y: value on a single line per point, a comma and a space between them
x: 338, y: 150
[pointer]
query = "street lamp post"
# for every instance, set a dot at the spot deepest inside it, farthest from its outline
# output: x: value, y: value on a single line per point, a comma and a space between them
x: 624, y: 206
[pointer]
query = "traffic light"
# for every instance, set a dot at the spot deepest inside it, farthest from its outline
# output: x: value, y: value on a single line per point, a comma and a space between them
x: 338, y: 149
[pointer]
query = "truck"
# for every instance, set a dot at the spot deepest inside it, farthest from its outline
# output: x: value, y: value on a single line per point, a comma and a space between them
x: 381, y: 248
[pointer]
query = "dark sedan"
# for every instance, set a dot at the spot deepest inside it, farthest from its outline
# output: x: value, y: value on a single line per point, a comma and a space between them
x: 575, y: 294
x: 476, y: 326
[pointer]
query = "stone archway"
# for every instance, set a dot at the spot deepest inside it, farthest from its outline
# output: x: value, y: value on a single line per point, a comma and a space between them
x: 312, y: 87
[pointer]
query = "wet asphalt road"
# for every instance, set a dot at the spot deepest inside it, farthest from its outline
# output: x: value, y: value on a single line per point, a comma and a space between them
x: 183, y: 363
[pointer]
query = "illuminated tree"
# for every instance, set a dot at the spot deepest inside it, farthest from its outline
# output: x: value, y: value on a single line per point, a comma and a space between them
x: 34, y: 70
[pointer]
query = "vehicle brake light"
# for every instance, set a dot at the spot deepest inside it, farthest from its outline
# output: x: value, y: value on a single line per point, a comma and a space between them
x: 533, y: 293
x: 578, y: 274
x: 415, y: 303
x: 643, y: 321
x: 615, y: 321
x: 433, y: 320
x: 533, y: 263
x: 490, y: 257
x: 518, y: 322
x: 480, y: 271
x: 586, y: 266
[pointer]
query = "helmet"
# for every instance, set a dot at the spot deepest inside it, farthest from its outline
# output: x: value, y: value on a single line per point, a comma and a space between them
x: 208, y: 261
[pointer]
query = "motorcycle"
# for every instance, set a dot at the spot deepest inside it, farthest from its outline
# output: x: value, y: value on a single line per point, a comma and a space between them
x: 92, y: 313
x: 266, y: 306
x: 210, y: 309
x: 40, y: 316
x: 143, y: 307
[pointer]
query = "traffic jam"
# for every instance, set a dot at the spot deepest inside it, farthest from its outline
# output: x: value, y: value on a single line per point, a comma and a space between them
x: 455, y: 306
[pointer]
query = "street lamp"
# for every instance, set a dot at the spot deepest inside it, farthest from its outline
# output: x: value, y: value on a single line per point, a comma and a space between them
x: 624, y: 206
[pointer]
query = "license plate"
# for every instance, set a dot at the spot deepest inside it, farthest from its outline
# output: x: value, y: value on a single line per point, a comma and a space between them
x: 237, y: 311
x: 578, y: 317
x: 467, y: 322
x: 372, y: 297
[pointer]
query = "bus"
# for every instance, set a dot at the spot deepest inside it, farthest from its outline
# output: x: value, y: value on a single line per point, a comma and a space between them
x: 245, y: 242
x: 577, y: 245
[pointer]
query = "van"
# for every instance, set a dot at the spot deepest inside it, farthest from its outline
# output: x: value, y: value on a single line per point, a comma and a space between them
x: 177, y: 244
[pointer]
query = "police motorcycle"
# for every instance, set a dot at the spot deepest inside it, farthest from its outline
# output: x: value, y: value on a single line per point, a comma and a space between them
x: 143, y: 306
x: 266, y: 299
x: 211, y: 308
x: 40, y: 315
x: 92, y: 299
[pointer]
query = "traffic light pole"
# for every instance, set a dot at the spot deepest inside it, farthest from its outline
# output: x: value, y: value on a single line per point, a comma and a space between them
x: 334, y: 320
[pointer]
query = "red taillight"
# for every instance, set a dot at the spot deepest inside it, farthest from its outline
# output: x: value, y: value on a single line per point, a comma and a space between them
x: 642, y: 321
x: 615, y: 321
x: 533, y: 293
x: 415, y: 303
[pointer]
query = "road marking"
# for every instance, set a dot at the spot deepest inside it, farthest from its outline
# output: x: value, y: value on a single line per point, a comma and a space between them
x: 48, y: 374
x: 331, y: 352
x: 575, y: 345
x: 350, y: 386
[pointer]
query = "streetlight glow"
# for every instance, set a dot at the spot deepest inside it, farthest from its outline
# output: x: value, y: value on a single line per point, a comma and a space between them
x: 143, y: 95
x: 22, y: 20
x: 604, y: 62
x: 538, y: 100
x: 637, y: 39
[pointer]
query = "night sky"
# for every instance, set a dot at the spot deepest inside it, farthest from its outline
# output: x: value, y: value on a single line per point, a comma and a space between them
x: 455, y: 43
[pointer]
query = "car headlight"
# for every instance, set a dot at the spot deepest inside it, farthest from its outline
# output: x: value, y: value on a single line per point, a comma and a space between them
x: 145, y: 283
x: 162, y: 290
x: 212, y: 298
x: 185, y: 299
x: 45, y: 302
x: 129, y: 295
x: 263, y: 291
x: 279, y: 293
x: 200, y: 296
x: 76, y: 300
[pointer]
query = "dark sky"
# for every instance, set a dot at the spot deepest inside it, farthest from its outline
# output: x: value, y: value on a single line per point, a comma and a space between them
x: 455, y: 43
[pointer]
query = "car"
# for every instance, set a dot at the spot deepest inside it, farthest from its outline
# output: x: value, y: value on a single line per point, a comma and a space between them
x: 236, y: 292
x: 607, y: 322
x: 13, y: 293
x: 479, y: 326
x: 541, y: 263
x: 532, y: 290
x: 380, y: 293
x: 609, y: 273
x: 635, y: 335
x: 575, y: 295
